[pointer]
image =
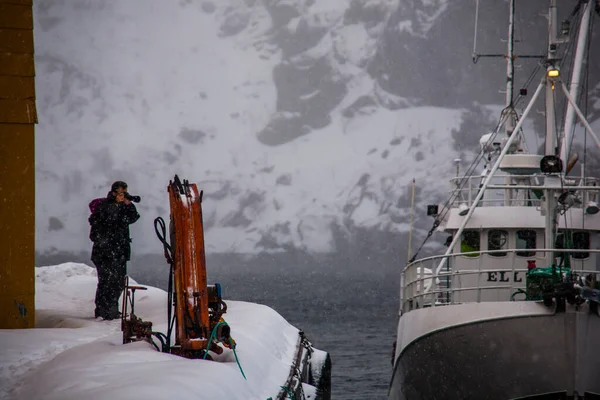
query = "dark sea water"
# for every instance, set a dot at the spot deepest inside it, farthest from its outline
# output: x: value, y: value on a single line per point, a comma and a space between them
x: 348, y: 309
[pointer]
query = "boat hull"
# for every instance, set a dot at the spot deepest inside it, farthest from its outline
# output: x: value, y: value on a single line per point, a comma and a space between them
x: 508, y: 357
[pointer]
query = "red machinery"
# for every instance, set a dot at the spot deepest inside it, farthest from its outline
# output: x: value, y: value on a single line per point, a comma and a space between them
x: 198, y: 307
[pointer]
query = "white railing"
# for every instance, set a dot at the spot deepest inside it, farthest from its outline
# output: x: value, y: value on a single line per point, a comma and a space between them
x: 465, y: 189
x: 422, y: 287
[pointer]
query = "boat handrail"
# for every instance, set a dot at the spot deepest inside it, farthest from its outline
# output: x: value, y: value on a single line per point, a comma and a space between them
x: 501, y: 203
x: 465, y: 189
x: 421, y: 286
x: 470, y: 254
x: 594, y: 181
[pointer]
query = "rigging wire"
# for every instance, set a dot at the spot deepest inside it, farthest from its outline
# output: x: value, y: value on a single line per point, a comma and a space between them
x: 571, y: 63
x: 503, y: 116
x: 465, y: 179
x: 572, y: 37
x: 582, y: 96
x: 554, y: 107
x: 481, y: 154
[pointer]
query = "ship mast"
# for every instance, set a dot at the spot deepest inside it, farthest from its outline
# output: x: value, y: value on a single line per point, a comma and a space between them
x: 550, y: 65
x: 550, y: 82
x: 550, y: 146
x: 509, y: 112
x: 572, y: 108
x: 511, y: 118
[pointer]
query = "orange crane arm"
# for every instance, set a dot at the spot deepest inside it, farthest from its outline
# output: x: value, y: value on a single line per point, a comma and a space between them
x: 189, y: 267
x: 198, y: 307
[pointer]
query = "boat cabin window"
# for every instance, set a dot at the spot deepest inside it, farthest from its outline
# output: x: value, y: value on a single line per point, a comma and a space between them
x: 575, y: 240
x: 497, y: 240
x: 581, y: 241
x: 526, y: 241
x: 470, y: 243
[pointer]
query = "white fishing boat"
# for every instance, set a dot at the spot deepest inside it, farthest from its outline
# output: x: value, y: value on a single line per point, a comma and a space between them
x: 510, y: 309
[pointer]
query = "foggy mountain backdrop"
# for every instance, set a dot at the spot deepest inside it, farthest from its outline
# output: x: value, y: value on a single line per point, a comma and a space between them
x: 304, y: 121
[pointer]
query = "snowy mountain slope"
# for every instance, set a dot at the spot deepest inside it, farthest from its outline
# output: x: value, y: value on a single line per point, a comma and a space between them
x: 279, y: 110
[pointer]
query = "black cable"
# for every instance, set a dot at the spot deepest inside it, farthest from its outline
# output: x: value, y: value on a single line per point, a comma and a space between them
x: 162, y: 236
x: 576, y: 9
x: 155, y: 345
x: 519, y: 291
x: 168, y: 252
x: 159, y: 336
x: 170, y: 316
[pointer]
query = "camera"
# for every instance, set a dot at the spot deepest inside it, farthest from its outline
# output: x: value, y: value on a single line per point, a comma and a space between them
x: 135, y: 199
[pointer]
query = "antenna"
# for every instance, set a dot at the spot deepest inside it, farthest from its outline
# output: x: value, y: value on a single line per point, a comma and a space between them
x: 510, y: 60
x: 511, y: 118
x: 509, y: 112
x: 477, y: 56
x: 457, y: 163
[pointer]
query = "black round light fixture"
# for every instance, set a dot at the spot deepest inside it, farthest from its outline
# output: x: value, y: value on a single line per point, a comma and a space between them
x: 551, y: 165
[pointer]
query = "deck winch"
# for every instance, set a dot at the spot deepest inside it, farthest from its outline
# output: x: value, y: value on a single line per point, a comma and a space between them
x: 561, y: 284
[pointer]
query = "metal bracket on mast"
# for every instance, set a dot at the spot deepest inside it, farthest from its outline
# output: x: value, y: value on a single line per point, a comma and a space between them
x: 489, y: 177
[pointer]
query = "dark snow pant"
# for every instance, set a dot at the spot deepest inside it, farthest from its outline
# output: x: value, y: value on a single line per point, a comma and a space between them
x: 111, y: 282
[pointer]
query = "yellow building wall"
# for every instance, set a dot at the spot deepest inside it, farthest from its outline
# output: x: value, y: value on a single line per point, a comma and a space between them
x: 17, y: 165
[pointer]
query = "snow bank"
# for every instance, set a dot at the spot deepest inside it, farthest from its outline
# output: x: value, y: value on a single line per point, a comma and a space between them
x: 70, y: 355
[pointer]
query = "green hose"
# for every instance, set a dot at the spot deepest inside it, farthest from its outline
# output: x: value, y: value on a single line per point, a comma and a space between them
x: 213, y: 335
x: 236, y: 359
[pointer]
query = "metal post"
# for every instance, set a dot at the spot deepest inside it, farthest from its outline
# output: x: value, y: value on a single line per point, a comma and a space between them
x: 421, y: 295
x: 412, y: 213
x: 550, y: 118
x: 479, y: 270
x: 549, y: 109
x: 549, y: 222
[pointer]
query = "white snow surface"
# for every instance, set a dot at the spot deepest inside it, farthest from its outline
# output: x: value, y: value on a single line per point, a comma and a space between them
x: 70, y: 355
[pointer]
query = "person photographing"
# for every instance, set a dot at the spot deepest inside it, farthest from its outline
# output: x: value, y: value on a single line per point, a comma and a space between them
x: 109, y: 233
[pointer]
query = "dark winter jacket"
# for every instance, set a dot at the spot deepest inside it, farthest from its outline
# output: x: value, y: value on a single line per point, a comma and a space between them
x: 109, y: 229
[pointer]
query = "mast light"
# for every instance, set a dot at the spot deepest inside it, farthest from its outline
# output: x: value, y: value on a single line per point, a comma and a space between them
x: 553, y: 72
